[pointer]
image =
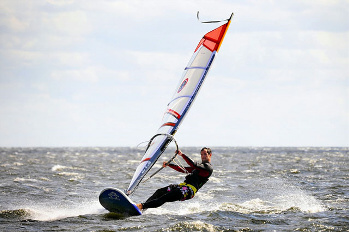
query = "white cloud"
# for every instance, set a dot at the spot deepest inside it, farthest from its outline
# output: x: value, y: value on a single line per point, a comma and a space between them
x: 89, y: 74
x: 71, y: 24
x: 160, y: 66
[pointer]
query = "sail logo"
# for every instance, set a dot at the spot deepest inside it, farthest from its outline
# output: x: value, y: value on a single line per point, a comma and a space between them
x: 182, y: 85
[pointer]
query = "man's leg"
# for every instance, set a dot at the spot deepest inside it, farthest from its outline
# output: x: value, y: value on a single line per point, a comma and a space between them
x: 158, y: 193
x: 174, y: 194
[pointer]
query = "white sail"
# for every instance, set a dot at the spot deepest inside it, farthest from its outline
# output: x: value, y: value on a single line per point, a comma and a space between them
x: 193, y: 77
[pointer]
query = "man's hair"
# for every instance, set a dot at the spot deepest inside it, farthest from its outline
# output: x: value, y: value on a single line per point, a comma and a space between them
x: 208, y: 150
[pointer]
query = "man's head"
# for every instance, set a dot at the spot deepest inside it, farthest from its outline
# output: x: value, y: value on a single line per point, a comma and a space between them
x: 206, y: 154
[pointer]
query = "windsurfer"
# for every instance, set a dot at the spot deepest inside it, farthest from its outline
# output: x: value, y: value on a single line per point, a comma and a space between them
x: 197, y: 177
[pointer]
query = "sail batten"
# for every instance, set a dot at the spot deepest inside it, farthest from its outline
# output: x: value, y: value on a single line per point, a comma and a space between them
x: 192, y: 79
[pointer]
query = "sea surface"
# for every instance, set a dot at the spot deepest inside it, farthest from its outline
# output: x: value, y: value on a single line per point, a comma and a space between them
x: 251, y: 189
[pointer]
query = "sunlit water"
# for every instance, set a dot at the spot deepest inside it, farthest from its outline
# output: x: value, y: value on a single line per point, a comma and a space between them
x: 252, y: 189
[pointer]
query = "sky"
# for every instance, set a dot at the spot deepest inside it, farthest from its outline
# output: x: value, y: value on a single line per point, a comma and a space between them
x: 100, y: 73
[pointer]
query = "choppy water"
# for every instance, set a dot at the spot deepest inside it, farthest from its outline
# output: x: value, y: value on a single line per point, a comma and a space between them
x: 252, y: 189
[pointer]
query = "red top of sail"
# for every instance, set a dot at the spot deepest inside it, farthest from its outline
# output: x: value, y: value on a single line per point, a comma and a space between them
x: 213, y: 39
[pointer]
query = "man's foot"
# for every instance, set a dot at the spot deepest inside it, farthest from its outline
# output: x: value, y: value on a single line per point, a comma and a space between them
x: 140, y: 206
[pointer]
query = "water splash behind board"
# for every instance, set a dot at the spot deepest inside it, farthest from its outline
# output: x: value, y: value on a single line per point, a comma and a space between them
x: 49, y: 211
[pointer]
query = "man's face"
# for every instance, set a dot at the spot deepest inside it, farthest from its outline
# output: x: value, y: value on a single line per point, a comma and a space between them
x: 205, y: 157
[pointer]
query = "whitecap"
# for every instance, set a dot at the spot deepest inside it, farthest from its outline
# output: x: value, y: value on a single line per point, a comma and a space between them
x: 58, y: 168
x: 18, y: 179
x: 18, y: 164
x: 68, y: 174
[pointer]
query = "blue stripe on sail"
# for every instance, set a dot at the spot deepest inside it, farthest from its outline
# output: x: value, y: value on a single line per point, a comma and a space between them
x: 195, y: 67
x: 188, y: 96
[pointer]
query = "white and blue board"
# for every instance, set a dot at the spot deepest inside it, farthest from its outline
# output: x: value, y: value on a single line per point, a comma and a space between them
x: 116, y: 201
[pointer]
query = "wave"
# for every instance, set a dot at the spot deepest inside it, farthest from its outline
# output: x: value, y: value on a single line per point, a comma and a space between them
x: 58, y: 168
x: 16, y: 214
x: 258, y: 206
x: 19, y: 179
x: 192, y: 226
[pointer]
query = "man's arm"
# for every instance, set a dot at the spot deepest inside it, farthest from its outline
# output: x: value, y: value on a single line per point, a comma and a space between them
x: 180, y: 169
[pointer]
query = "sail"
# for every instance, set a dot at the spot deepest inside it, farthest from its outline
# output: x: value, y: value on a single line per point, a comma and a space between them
x: 192, y: 79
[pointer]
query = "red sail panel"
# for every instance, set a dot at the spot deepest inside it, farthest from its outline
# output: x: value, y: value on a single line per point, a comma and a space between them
x: 213, y: 39
x: 174, y: 113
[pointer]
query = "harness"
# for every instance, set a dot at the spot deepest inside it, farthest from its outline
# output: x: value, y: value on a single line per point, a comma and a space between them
x: 189, y: 185
x: 187, y: 190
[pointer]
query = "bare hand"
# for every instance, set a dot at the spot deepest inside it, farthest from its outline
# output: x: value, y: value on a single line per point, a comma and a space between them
x: 164, y: 164
x: 179, y: 153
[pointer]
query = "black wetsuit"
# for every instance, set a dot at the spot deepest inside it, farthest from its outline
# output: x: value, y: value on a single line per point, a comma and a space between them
x: 197, y: 177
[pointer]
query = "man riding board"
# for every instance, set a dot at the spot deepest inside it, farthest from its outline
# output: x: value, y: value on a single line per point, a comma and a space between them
x: 197, y: 177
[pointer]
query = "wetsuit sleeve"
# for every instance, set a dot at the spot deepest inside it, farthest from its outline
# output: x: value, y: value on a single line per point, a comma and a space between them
x: 189, y: 161
x: 179, y: 169
x: 176, y: 167
x: 193, y: 165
